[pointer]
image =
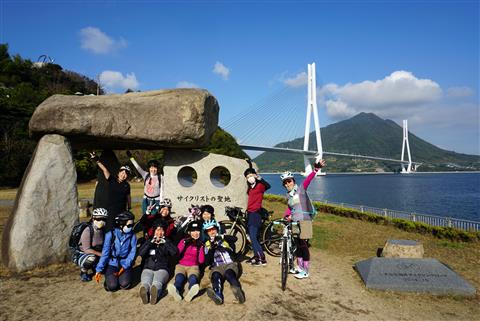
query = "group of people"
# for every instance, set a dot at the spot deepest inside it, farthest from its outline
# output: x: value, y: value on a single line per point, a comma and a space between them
x: 108, y: 247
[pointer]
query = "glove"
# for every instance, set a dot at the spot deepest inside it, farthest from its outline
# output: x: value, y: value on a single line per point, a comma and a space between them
x: 94, y: 157
x: 117, y: 274
x: 129, y: 154
x: 321, y: 163
x: 98, y: 277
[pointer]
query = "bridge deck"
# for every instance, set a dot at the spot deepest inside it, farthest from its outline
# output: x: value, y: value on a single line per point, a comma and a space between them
x: 314, y: 153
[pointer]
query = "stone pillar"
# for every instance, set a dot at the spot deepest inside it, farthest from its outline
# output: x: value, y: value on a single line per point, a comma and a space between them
x: 45, y: 209
x: 209, y: 185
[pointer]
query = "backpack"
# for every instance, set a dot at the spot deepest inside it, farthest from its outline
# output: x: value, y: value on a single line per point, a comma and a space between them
x: 74, y: 240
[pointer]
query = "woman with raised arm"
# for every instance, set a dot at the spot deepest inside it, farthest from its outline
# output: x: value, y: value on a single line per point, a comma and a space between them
x: 300, y: 209
x: 256, y: 188
x: 118, y: 191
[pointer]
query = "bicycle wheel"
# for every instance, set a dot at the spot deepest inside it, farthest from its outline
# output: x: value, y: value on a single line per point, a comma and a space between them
x: 239, y: 233
x: 272, y: 239
x: 285, y: 264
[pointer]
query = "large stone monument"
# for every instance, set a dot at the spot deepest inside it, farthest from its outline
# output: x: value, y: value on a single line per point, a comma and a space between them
x: 198, y: 178
x: 46, y: 208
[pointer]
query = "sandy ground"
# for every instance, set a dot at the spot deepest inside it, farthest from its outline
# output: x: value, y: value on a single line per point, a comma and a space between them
x: 333, y: 292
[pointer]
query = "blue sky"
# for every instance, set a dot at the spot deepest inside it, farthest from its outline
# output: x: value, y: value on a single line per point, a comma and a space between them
x: 398, y: 59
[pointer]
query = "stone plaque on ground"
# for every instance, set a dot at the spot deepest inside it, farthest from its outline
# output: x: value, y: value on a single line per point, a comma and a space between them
x: 412, y: 275
x: 403, y: 249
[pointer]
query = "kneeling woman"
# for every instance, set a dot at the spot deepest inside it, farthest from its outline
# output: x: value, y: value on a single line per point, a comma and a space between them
x: 156, y: 254
x: 118, y: 254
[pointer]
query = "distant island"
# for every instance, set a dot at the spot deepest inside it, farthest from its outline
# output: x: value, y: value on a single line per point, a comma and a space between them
x: 368, y: 134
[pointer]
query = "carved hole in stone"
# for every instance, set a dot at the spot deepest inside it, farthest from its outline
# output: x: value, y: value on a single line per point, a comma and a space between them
x: 187, y: 176
x: 220, y: 176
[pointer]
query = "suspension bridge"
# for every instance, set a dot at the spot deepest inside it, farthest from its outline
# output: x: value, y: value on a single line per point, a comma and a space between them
x: 258, y: 136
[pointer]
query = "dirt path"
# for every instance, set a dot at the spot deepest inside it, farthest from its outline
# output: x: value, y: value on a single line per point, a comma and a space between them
x: 333, y: 292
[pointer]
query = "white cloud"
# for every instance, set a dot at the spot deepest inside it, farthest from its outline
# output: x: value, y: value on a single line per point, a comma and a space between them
x: 114, y: 80
x: 186, y: 84
x: 299, y: 80
x: 221, y: 69
x: 460, y: 92
x: 395, y: 95
x: 94, y: 40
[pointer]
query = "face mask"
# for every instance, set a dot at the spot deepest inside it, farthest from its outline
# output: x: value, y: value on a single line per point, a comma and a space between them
x: 99, y: 224
x: 127, y: 229
x: 251, y: 180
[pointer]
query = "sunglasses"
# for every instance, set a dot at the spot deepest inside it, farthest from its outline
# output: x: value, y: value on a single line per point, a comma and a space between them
x: 129, y: 225
x: 100, y: 219
x: 287, y: 181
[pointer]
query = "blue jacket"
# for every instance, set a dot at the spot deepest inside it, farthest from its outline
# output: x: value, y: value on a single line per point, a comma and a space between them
x: 121, y: 254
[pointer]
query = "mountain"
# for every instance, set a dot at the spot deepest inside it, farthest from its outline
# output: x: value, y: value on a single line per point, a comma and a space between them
x: 368, y: 134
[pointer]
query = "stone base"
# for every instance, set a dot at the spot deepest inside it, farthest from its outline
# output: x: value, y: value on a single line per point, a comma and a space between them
x: 412, y: 275
x: 403, y: 249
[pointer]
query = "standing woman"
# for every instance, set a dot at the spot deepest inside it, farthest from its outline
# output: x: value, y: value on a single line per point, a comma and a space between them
x: 153, y: 185
x: 256, y: 188
x: 118, y: 191
x: 300, y: 209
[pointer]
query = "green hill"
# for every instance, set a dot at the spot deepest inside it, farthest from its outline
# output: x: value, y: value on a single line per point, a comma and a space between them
x: 24, y: 85
x: 368, y: 134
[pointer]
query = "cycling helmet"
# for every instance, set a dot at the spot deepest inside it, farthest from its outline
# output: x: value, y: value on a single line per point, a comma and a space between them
x: 194, y: 226
x: 159, y: 223
x: 208, y: 208
x: 287, y: 175
x: 154, y: 163
x: 210, y: 224
x: 124, y: 217
x: 249, y: 171
x: 100, y: 212
x: 125, y: 168
x: 166, y: 203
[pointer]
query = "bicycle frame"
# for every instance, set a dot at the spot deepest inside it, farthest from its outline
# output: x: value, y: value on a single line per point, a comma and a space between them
x: 287, y: 251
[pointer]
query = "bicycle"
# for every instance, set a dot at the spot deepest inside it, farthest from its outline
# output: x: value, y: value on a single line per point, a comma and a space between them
x: 287, y: 250
x: 237, y: 226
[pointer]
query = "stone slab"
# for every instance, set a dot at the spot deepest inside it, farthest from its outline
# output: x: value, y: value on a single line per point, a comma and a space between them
x: 403, y: 249
x: 174, y: 118
x: 204, y: 191
x: 45, y: 209
x: 412, y: 275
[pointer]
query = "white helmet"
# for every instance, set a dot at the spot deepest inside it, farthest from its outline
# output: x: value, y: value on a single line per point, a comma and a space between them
x: 166, y: 203
x: 125, y: 168
x: 100, y: 212
x: 286, y: 175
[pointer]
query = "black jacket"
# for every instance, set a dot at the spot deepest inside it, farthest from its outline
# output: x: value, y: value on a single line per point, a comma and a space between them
x: 159, y: 259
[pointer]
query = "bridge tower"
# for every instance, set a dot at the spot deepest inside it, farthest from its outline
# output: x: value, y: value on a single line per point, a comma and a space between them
x: 312, y: 108
x: 409, y: 168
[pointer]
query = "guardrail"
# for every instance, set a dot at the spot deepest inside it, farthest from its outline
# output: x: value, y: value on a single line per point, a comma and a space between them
x: 434, y: 220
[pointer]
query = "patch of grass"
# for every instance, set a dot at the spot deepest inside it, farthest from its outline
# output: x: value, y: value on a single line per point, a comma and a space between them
x: 323, y: 237
x: 8, y: 193
x: 452, y: 245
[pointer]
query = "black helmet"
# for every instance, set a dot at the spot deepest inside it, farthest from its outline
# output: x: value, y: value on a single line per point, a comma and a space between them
x: 249, y: 170
x: 208, y: 208
x: 154, y: 163
x: 124, y: 217
x: 194, y: 226
x: 159, y: 223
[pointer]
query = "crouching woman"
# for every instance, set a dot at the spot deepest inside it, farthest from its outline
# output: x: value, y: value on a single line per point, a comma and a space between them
x: 118, y: 254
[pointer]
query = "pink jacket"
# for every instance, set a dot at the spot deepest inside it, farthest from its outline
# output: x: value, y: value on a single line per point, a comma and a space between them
x: 190, y: 256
